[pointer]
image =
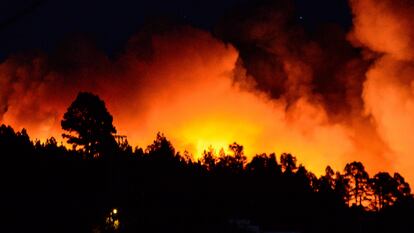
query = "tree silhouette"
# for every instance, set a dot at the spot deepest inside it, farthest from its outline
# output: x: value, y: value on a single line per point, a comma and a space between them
x: 358, y: 178
x: 209, y: 159
x: 238, y: 155
x: 162, y: 153
x: 342, y: 187
x: 327, y: 181
x: 307, y: 179
x: 403, y: 187
x: 385, y: 189
x: 89, y: 125
x: 161, y: 147
x: 263, y: 165
x: 232, y: 163
x: 288, y: 163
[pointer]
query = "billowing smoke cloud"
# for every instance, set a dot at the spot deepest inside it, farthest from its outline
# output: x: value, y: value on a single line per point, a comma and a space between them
x: 321, y: 68
x: 267, y: 84
x: 385, y: 28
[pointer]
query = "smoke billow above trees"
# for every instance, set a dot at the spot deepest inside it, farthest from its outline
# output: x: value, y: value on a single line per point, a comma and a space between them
x: 260, y: 78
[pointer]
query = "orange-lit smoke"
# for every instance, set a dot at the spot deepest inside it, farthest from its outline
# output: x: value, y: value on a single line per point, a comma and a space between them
x: 386, y: 28
x: 288, y: 94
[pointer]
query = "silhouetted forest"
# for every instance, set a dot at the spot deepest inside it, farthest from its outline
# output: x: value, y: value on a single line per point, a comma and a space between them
x: 102, y: 184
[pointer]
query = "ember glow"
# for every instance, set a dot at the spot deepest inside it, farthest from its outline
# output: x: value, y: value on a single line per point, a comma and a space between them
x: 266, y: 85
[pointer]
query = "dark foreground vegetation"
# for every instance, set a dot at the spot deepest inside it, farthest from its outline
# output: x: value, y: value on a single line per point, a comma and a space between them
x: 101, y: 185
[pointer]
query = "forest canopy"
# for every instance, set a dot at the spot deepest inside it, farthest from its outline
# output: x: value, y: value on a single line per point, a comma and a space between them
x: 105, y: 185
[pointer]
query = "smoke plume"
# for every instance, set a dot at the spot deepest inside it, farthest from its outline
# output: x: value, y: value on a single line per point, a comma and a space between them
x: 261, y: 79
x: 385, y: 29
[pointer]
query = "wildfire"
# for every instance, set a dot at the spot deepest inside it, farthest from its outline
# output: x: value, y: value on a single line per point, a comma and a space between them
x: 202, y: 92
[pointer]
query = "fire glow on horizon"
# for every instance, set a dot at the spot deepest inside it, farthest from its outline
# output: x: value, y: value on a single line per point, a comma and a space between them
x: 200, y: 91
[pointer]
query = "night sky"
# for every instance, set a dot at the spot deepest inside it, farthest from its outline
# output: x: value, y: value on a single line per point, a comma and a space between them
x: 41, y: 24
